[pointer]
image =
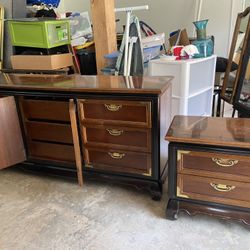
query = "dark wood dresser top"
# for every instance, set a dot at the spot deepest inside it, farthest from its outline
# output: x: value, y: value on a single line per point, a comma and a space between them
x: 78, y: 83
x: 229, y: 132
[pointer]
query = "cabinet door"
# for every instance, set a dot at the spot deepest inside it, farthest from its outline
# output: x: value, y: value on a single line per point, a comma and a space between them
x: 11, y: 142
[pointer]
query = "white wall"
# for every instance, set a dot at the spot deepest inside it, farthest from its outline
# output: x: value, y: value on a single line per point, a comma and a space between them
x: 74, y: 5
x: 163, y: 16
x: 169, y: 15
x: 247, y: 3
x: 222, y: 15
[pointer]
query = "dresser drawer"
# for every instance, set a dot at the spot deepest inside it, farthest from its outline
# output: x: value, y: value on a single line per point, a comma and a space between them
x: 210, y: 164
x: 118, y: 161
x: 121, y: 137
x: 131, y: 113
x: 52, y: 132
x: 214, y: 190
x: 52, y: 151
x: 45, y: 110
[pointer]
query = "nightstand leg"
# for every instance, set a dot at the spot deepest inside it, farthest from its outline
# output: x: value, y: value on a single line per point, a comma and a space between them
x: 172, y: 210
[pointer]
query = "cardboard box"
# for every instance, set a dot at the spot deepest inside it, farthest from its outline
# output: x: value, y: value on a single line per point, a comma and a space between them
x: 180, y: 38
x: 41, y: 62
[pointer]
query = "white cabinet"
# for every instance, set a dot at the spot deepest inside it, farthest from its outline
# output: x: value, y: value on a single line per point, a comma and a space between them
x: 192, y: 86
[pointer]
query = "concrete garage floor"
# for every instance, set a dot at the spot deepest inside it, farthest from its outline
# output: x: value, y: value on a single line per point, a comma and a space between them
x: 38, y: 212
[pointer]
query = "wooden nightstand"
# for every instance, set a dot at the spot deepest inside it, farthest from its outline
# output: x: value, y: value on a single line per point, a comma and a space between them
x: 209, y: 167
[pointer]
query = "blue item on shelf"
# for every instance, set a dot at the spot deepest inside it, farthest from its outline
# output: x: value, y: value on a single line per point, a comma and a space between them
x: 112, y: 55
x: 201, y: 29
x: 150, y: 53
x: 54, y: 3
x: 205, y: 47
x: 108, y: 70
x: 112, y: 58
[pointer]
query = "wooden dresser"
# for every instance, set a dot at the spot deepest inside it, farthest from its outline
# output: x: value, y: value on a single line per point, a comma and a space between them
x: 95, y: 126
x: 209, y: 167
x: 117, y: 135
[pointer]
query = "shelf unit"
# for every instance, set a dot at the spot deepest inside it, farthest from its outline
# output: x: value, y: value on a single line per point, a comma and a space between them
x: 192, y: 86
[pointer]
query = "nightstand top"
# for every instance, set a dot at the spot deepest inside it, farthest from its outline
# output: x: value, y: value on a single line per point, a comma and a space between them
x: 184, y: 61
x: 229, y: 132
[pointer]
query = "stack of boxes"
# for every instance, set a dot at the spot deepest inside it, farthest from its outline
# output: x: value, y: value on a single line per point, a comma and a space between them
x: 40, y: 44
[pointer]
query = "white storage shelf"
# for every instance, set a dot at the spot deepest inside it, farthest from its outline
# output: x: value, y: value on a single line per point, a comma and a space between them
x: 192, y: 86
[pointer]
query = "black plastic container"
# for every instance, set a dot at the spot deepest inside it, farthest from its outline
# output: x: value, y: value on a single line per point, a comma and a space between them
x: 87, y: 61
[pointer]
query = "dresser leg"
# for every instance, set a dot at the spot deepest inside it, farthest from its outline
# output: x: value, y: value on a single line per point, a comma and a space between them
x: 172, y: 209
x: 156, y: 192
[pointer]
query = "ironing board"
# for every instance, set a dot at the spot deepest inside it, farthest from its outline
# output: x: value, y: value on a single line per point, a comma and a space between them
x: 131, y: 45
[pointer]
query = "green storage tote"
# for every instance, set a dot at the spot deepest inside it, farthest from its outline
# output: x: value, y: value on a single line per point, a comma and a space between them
x: 31, y: 32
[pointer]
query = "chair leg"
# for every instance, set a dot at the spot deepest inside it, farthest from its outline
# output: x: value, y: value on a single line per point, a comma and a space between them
x: 218, y: 111
x: 214, y: 107
x: 233, y: 114
x: 223, y: 109
x: 219, y: 107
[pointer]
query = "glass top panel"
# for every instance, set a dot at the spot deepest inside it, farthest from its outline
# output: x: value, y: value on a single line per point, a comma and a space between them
x: 234, y: 132
x: 85, y: 83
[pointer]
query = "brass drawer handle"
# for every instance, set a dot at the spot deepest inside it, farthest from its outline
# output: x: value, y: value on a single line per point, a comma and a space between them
x: 116, y: 155
x: 115, y: 132
x: 113, y: 107
x: 222, y: 187
x: 226, y: 163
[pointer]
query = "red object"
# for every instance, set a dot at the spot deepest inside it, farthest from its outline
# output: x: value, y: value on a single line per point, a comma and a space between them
x: 177, y: 52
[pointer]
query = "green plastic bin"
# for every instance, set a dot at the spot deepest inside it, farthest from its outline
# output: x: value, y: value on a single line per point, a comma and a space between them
x: 39, y: 34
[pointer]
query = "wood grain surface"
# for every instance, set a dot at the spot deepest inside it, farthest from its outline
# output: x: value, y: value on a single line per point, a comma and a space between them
x: 11, y: 142
x: 216, y: 131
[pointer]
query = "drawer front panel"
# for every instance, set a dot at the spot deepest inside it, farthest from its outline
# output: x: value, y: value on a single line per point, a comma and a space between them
x: 215, y: 190
x: 49, y: 132
x: 116, y: 112
x: 139, y: 139
x: 46, y: 110
x: 51, y: 151
x: 211, y: 164
x: 119, y: 161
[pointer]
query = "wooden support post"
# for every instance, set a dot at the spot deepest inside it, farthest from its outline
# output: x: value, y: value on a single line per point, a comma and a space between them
x: 104, y: 28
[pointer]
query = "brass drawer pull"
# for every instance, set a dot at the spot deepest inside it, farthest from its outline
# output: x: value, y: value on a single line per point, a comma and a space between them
x: 116, y: 155
x: 113, y: 107
x: 226, y: 163
x: 222, y: 187
x: 115, y: 132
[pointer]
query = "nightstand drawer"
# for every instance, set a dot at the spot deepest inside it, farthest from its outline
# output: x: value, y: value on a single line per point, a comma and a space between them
x: 45, y: 110
x: 214, y: 165
x: 118, y: 160
x: 120, y: 137
x: 129, y: 113
x: 214, y: 190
